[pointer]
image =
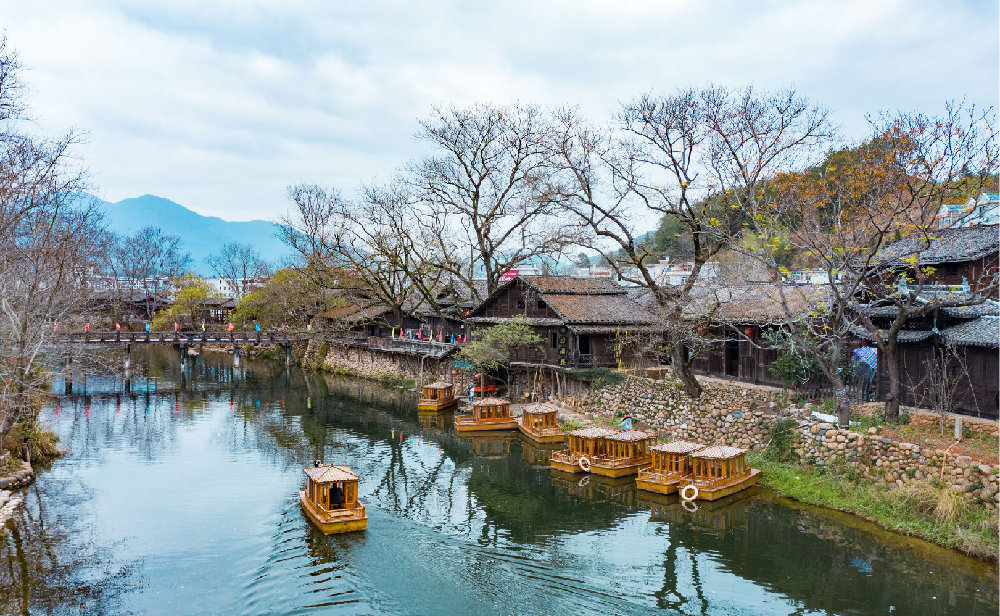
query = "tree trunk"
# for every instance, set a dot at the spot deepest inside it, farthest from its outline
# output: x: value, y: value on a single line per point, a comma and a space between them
x: 843, y: 405
x: 682, y: 371
x: 891, y: 358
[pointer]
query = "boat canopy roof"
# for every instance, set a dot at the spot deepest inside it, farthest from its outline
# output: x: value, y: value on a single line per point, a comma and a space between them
x: 677, y: 447
x: 331, y: 473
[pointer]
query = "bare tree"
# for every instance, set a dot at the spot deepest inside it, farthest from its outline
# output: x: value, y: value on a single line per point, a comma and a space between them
x: 48, y: 238
x: 145, y: 261
x: 698, y: 156
x: 477, y: 196
x: 943, y: 382
x: 371, y: 246
x: 240, y: 265
x: 923, y: 163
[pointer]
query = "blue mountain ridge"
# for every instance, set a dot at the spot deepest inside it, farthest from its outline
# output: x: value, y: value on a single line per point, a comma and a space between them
x: 202, y: 236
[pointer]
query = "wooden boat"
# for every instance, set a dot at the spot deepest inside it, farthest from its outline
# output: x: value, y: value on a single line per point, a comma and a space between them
x: 717, y: 471
x: 582, y: 445
x: 437, y: 397
x: 487, y: 414
x: 330, y: 499
x: 624, y: 453
x: 538, y: 422
x: 671, y: 464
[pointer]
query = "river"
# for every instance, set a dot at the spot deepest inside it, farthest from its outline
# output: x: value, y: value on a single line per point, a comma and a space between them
x: 181, y: 497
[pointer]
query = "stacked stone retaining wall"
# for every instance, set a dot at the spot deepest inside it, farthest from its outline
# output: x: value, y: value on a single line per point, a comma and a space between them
x: 377, y: 364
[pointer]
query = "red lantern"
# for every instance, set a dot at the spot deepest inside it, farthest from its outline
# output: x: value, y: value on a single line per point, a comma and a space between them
x: 749, y: 332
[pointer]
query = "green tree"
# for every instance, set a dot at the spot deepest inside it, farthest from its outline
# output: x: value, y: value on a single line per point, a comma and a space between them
x: 189, y: 308
x: 289, y: 296
x: 495, y: 348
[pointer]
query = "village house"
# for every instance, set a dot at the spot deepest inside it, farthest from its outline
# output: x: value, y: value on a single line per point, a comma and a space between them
x: 959, y: 256
x: 962, y: 340
x: 583, y: 322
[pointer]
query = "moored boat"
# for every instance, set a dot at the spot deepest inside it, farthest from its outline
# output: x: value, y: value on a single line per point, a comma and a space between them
x: 671, y: 463
x: 717, y: 471
x: 582, y: 445
x: 330, y: 499
x: 624, y: 453
x: 437, y: 397
x: 487, y: 414
x: 538, y: 422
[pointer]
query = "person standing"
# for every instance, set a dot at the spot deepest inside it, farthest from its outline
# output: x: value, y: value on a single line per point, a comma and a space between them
x: 626, y: 423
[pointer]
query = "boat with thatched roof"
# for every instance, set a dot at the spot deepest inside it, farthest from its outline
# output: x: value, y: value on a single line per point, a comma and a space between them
x: 330, y: 499
x: 671, y: 464
x: 437, y: 397
x: 487, y: 414
x: 623, y: 453
x: 717, y: 471
x: 582, y: 445
x: 538, y: 422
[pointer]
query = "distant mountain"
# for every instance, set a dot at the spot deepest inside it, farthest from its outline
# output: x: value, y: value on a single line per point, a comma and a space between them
x: 202, y: 235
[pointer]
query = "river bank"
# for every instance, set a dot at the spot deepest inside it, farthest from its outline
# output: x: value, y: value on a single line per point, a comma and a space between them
x: 917, y: 491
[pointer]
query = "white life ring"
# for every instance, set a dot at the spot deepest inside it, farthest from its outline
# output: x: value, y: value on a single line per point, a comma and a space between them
x: 684, y: 492
x: 689, y: 506
x: 584, y: 464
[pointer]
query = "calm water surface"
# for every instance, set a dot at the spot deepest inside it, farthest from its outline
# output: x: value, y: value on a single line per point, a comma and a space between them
x: 181, y: 498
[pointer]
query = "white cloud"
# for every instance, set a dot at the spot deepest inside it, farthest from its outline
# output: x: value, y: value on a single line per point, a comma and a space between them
x: 219, y: 106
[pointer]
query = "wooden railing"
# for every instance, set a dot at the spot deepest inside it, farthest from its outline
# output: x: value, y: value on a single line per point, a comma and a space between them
x: 184, y: 337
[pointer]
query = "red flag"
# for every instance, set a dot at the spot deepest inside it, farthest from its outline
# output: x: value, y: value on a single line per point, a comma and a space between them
x: 118, y: 327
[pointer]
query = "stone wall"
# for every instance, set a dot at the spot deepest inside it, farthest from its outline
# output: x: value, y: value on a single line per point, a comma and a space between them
x: 377, y: 364
x: 730, y: 413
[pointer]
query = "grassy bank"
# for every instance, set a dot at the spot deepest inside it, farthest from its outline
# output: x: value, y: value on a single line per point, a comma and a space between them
x: 927, y: 510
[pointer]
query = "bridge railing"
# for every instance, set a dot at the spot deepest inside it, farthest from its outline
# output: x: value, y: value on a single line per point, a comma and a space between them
x: 184, y: 337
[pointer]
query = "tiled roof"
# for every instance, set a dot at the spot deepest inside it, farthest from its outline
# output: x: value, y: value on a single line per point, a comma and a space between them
x: 326, y: 474
x: 952, y: 245
x: 905, y: 336
x: 980, y: 332
x: 597, y: 309
x: 536, y: 321
x: 757, y: 303
x: 718, y: 452
x: 629, y: 436
x: 355, y: 310
x: 575, y: 286
x: 591, y: 432
x: 677, y: 447
x: 490, y: 402
x: 538, y: 408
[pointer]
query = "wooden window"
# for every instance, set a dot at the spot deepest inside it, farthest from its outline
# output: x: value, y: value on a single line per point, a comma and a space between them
x: 520, y: 304
x: 540, y: 305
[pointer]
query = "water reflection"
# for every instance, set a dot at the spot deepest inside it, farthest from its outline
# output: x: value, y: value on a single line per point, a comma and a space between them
x: 192, y: 484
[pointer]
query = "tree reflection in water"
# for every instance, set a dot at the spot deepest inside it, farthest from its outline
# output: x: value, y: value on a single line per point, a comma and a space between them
x: 47, y: 564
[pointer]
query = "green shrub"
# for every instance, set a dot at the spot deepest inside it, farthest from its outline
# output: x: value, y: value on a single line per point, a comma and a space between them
x: 783, y: 436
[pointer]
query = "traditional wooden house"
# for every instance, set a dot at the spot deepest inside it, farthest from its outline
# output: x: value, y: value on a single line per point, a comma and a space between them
x: 362, y: 317
x: 437, y: 397
x: 583, y: 322
x: 330, y: 499
x: 487, y: 414
x: 582, y: 443
x: 717, y: 471
x: 538, y: 422
x: 739, y: 318
x: 671, y: 464
x: 950, y: 344
x: 958, y: 255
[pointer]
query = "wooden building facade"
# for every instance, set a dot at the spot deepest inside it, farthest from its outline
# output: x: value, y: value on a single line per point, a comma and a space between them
x: 583, y: 322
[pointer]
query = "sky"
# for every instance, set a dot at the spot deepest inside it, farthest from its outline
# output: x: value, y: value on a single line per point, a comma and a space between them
x: 220, y: 106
